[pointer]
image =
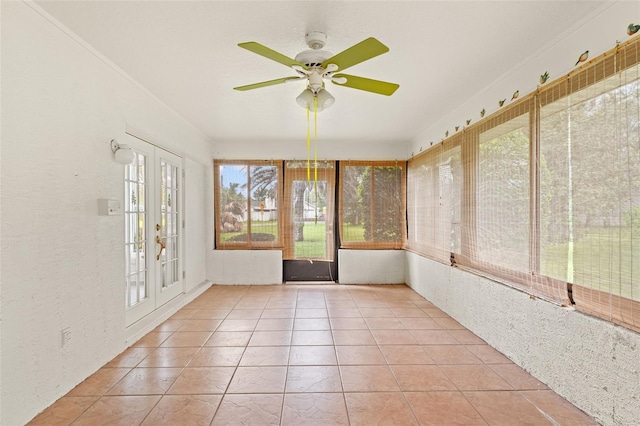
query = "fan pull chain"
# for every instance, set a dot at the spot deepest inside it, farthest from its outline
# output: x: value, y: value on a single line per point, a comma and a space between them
x: 308, y: 147
x: 315, y: 154
x: 315, y: 140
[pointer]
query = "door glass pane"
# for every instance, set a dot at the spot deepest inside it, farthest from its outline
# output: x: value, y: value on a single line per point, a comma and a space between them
x: 142, y: 288
x: 309, y: 211
x: 309, y: 204
x: 135, y: 238
x: 169, y: 223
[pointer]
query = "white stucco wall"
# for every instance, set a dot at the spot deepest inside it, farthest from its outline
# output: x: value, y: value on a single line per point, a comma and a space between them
x: 265, y: 266
x: 245, y: 267
x: 592, y: 363
x: 371, y: 266
x: 62, y: 264
x: 327, y: 150
x: 195, y: 223
x: 597, y: 33
x: 239, y: 267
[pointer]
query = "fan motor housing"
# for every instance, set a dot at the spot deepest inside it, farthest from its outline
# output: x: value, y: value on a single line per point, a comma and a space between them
x: 313, y: 58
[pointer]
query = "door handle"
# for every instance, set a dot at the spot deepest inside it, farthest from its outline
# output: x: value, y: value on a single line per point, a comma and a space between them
x: 162, y: 246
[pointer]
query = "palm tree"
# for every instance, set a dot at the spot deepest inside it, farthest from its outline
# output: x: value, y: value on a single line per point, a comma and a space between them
x: 263, y: 180
x: 233, y: 205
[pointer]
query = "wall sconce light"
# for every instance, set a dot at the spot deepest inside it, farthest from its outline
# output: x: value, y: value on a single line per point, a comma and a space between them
x: 123, y: 154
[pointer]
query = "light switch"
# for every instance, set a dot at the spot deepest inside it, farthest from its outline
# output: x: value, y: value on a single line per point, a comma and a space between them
x: 108, y: 207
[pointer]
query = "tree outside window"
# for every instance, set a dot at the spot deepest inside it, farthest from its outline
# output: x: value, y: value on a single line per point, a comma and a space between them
x: 372, y: 204
x: 247, y: 194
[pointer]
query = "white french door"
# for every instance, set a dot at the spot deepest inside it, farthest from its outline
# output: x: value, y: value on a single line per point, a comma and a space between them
x: 153, y: 229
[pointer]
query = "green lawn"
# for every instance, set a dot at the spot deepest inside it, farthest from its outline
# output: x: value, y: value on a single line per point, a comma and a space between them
x: 602, y: 260
x: 314, y: 244
x: 353, y: 232
x: 267, y: 227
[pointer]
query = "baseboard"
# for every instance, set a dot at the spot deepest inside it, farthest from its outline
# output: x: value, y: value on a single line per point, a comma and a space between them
x: 140, y: 328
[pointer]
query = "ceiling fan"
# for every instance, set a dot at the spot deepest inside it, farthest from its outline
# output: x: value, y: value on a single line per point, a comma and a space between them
x: 315, y: 66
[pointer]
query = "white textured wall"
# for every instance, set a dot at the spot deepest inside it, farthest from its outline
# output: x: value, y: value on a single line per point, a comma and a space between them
x: 592, y: 363
x: 245, y: 267
x: 371, y: 266
x: 597, y: 33
x: 223, y: 266
x: 62, y: 264
x: 330, y: 150
x: 265, y: 266
x: 194, y: 201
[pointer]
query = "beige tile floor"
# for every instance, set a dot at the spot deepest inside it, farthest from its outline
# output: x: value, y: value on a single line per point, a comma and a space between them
x: 311, y: 355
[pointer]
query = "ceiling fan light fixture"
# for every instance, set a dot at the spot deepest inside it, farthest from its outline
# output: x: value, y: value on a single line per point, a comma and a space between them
x: 305, y: 99
x: 325, y: 99
x: 317, y: 66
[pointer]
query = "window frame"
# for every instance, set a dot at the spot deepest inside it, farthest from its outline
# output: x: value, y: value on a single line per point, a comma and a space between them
x: 606, y: 305
x: 429, y: 247
x: 277, y: 244
x: 608, y: 66
x: 373, y: 244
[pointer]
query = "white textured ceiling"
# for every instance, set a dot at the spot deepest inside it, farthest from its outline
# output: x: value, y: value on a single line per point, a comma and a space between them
x: 186, y: 54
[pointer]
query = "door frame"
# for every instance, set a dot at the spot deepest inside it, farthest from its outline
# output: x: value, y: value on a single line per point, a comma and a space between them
x: 310, y: 269
x: 156, y: 295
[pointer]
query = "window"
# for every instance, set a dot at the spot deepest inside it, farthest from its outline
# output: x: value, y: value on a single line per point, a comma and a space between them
x: 502, y: 195
x: 545, y: 194
x: 434, y: 211
x: 590, y: 187
x: 247, y: 195
x: 500, y: 203
x: 372, y: 204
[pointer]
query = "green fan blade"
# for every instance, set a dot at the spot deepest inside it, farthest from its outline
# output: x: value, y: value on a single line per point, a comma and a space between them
x: 367, y: 49
x: 367, y: 84
x: 266, y: 83
x: 254, y: 47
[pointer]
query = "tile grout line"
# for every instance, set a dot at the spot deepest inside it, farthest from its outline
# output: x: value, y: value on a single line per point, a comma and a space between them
x: 402, y: 391
x: 224, y: 394
x: 181, y: 371
x: 286, y: 376
x: 236, y: 298
x: 335, y: 351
